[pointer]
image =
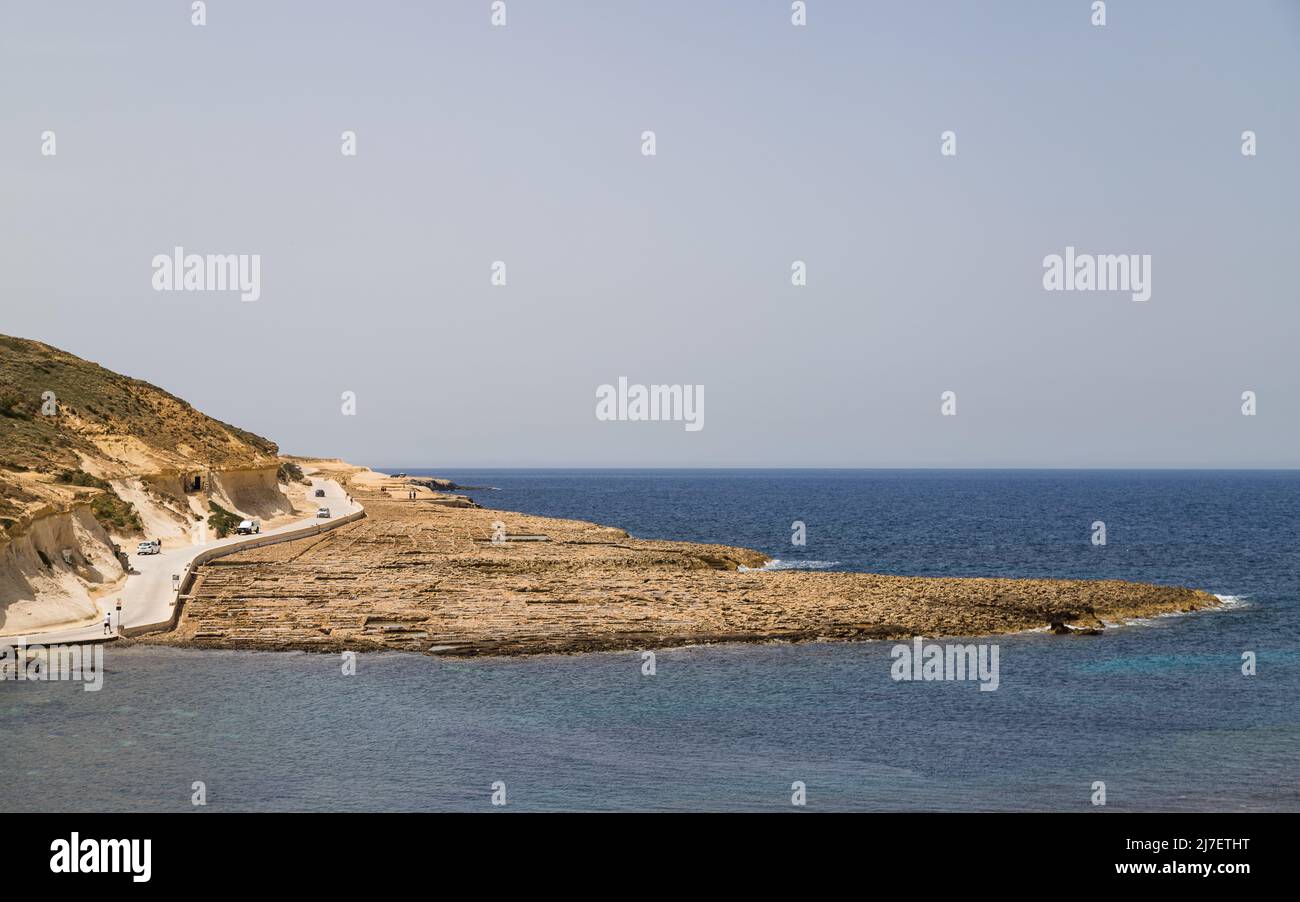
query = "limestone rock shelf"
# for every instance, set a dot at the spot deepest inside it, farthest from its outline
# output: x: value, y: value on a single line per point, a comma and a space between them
x: 424, y: 575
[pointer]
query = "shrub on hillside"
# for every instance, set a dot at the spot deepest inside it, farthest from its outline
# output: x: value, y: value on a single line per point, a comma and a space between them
x: 14, y: 406
x: 116, y: 515
x: 81, y: 477
x: 222, y: 521
x: 291, y: 472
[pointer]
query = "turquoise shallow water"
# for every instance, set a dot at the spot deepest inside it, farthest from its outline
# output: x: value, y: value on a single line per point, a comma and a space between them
x: 1160, y: 711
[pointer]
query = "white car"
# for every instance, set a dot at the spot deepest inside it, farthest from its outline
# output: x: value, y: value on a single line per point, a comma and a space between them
x: 323, y: 513
x: 148, y: 548
x: 248, y: 528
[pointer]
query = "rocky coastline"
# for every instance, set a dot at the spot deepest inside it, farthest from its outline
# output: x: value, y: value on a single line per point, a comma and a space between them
x: 424, y: 574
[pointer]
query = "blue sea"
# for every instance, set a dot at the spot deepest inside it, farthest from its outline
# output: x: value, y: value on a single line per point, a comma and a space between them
x: 1158, y: 711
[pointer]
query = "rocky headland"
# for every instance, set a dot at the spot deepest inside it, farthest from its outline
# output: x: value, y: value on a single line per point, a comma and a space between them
x: 91, y: 460
x: 425, y: 575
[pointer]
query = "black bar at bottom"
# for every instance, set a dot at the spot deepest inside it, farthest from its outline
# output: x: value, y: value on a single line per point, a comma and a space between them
x: 656, y: 852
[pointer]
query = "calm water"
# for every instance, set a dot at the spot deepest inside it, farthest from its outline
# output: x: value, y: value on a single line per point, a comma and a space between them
x: 1159, y: 711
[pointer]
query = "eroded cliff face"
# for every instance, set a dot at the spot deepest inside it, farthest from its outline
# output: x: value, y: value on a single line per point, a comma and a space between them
x: 253, y: 493
x: 51, y: 574
x: 62, y: 558
x: 83, y: 447
x: 166, y: 510
x: 170, y: 504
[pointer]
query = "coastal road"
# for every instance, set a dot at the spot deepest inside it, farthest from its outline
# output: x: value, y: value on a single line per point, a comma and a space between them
x: 147, y: 597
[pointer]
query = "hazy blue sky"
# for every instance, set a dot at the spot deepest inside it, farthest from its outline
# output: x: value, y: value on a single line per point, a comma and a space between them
x: 775, y: 143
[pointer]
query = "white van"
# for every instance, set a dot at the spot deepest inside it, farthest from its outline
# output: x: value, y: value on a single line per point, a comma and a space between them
x: 248, y: 528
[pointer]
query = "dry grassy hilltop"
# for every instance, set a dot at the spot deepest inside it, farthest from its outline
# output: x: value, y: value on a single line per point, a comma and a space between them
x: 424, y: 575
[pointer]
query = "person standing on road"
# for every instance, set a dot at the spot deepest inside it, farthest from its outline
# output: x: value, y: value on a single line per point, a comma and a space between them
x: 108, y: 622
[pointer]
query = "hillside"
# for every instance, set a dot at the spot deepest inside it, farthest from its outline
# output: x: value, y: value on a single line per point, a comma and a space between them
x: 91, y: 460
x: 60, y: 414
x: 102, y: 413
